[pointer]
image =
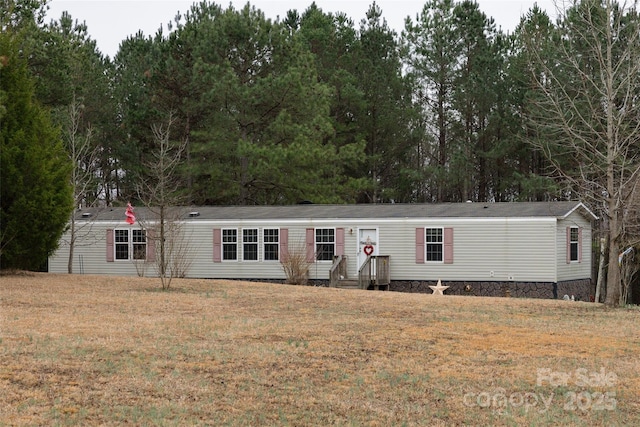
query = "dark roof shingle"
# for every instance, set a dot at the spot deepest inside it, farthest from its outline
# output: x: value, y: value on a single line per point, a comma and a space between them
x: 303, y: 211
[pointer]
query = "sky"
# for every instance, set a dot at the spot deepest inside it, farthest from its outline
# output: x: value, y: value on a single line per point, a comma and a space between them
x: 110, y: 22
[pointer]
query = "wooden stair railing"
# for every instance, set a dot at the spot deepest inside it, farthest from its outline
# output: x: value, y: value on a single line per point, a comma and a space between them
x: 375, y: 273
x: 338, y: 270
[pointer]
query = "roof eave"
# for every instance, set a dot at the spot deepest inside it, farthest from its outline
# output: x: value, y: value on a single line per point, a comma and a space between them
x: 584, y: 208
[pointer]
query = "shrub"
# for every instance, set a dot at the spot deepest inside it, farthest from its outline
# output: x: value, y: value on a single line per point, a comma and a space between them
x: 296, y: 266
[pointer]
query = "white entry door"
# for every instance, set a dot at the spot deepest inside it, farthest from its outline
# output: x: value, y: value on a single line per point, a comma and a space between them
x: 367, y: 244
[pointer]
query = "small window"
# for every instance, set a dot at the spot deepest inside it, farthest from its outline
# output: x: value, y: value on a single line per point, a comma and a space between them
x: 434, y: 244
x: 250, y: 244
x: 574, y: 241
x: 230, y: 245
x: 271, y: 239
x: 122, y: 244
x: 325, y: 244
x: 139, y: 244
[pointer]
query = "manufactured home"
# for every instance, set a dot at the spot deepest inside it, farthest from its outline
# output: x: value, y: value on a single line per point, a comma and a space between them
x: 537, y: 249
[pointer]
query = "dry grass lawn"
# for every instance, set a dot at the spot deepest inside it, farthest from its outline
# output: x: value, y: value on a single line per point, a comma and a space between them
x: 94, y: 350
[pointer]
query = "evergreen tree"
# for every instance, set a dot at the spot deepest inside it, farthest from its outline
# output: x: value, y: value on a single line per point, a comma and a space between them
x: 474, y: 98
x: 459, y: 65
x: 336, y: 49
x: 127, y: 152
x: 263, y: 138
x: 431, y: 49
x: 532, y: 172
x: 36, y: 197
x: 385, y: 123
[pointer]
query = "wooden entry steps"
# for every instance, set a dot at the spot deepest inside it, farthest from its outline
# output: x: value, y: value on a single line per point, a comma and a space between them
x: 373, y: 274
x: 347, y: 284
x: 354, y: 284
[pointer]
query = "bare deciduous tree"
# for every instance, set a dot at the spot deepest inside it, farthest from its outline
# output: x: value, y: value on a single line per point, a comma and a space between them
x: 83, y: 156
x: 587, y: 77
x: 159, y: 191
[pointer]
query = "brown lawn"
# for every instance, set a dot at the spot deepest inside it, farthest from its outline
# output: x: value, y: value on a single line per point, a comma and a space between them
x: 95, y: 350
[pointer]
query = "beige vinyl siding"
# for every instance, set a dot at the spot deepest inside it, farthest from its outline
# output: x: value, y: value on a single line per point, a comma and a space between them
x: 59, y: 259
x: 573, y: 270
x: 513, y: 249
x: 203, y: 266
x: 90, y: 254
x: 518, y: 249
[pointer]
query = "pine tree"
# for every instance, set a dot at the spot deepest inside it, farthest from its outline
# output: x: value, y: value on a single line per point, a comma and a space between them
x: 431, y: 49
x: 36, y: 197
x: 387, y: 108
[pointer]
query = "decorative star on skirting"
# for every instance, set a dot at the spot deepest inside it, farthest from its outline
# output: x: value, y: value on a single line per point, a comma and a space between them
x: 438, y: 289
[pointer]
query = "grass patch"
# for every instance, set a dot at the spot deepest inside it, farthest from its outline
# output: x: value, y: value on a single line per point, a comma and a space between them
x: 93, y: 350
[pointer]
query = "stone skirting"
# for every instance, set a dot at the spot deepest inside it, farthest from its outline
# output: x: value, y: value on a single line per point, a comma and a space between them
x: 580, y: 289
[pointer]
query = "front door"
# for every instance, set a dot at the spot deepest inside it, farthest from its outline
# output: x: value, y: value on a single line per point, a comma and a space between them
x: 367, y: 244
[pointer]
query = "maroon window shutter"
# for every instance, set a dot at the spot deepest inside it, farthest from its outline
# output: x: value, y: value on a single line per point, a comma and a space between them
x: 311, y: 241
x: 420, y: 237
x: 284, y: 244
x: 580, y: 244
x: 339, y: 241
x: 568, y: 245
x: 448, y: 245
x: 110, y: 245
x: 151, y: 245
x: 217, y: 245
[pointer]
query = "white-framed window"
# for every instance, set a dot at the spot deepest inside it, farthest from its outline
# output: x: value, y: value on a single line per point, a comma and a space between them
x: 271, y: 244
x: 130, y: 244
x: 121, y: 244
x: 250, y: 244
x: 434, y: 244
x: 139, y: 242
x: 229, y: 244
x: 574, y: 244
x: 325, y: 244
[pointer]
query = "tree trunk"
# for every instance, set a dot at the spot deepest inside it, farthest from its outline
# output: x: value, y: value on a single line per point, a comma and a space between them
x: 601, y: 269
x: 72, y: 242
x: 614, y: 190
x: 613, y: 270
